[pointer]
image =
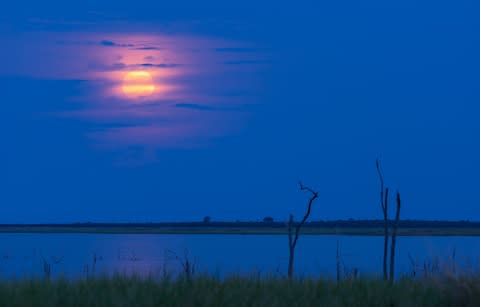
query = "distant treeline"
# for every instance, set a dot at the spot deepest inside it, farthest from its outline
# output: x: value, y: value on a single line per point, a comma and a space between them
x: 351, y: 223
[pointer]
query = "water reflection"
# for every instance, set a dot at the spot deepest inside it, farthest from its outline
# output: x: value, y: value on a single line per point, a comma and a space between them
x: 81, y: 255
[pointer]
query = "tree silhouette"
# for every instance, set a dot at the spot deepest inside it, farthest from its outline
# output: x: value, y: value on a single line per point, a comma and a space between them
x: 293, y: 238
x: 384, y: 204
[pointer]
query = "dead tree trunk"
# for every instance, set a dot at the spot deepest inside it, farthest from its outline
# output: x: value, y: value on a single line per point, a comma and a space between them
x: 291, y: 247
x: 384, y: 204
x: 394, y: 238
x: 338, y: 263
x: 293, y: 238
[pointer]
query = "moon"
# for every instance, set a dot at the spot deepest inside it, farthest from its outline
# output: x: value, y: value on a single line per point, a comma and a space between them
x: 138, y: 84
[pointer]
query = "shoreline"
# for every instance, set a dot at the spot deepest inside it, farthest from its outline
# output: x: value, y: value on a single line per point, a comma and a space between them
x: 440, y: 231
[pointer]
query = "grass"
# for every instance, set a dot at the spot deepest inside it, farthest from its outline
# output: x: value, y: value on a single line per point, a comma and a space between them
x: 441, y: 231
x: 240, y: 291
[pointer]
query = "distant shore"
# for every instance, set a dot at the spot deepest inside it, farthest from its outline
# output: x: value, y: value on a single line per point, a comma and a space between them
x: 242, y: 231
x: 348, y: 227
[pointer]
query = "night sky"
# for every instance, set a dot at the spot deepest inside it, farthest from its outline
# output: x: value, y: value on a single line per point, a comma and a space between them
x: 146, y: 111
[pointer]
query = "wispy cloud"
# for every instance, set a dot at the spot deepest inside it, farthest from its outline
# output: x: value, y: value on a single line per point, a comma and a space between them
x: 107, y: 67
x: 217, y: 108
x: 195, y: 106
x: 161, y: 65
x: 122, y: 66
x: 105, y: 43
x: 108, y: 43
x: 149, y: 48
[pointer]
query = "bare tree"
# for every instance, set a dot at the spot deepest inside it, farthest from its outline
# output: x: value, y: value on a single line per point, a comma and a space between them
x: 293, y: 238
x: 384, y: 204
x: 394, y: 238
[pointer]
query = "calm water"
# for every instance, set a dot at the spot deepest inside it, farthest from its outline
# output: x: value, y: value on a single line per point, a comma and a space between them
x: 72, y: 255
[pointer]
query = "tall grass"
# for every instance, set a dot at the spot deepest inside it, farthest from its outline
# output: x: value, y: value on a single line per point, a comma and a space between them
x: 240, y: 291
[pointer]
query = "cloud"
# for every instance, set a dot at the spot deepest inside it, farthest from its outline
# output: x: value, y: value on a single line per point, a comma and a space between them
x: 203, y: 107
x: 107, y: 67
x: 105, y: 43
x: 108, y: 43
x: 194, y: 106
x: 149, y: 48
x: 121, y: 66
x: 163, y: 65
x: 116, y: 66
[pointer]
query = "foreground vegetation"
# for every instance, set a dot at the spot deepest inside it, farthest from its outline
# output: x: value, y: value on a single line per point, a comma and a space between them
x: 238, y: 291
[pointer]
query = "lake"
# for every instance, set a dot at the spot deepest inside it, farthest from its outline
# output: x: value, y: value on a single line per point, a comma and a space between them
x: 79, y: 255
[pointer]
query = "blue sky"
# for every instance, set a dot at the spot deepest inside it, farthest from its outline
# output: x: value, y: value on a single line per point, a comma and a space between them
x: 249, y: 99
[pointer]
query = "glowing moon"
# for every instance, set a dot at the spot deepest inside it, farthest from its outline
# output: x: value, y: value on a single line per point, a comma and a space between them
x: 137, y: 84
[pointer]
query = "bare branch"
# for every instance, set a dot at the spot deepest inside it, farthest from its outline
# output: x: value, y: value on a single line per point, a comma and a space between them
x: 382, y: 185
x: 302, y: 187
x: 292, y: 242
x: 309, y: 209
